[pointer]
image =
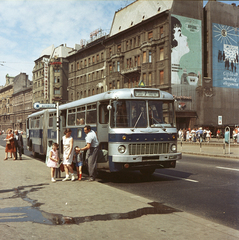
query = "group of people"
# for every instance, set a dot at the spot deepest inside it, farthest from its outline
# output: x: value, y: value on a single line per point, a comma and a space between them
x: 194, y: 135
x: 75, y: 155
x: 14, y: 144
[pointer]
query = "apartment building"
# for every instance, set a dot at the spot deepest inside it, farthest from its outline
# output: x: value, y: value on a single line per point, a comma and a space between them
x: 50, y: 75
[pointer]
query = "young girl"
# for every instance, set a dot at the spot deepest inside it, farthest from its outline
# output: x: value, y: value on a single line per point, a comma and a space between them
x: 78, y: 162
x: 53, y: 160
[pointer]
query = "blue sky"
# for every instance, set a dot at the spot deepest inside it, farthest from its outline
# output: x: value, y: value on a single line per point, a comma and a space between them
x: 30, y: 26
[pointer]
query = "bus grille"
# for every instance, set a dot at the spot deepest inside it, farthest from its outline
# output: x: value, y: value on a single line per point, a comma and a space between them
x: 148, y: 148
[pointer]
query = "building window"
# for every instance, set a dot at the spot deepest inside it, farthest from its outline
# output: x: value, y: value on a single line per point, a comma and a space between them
x: 102, y: 73
x: 102, y: 89
x: 93, y: 59
x: 88, y: 61
x: 72, y: 97
x: 110, y: 68
x: 144, y: 57
x: 57, y: 91
x: 89, y: 77
x: 161, y: 32
x: 150, y: 79
x: 78, y: 95
x: 118, y: 66
x: 110, y: 52
x: 102, y: 56
x: 144, y: 77
x: 150, y: 56
x: 78, y: 66
x: 118, y: 84
x: 127, y: 45
x: 88, y: 92
x: 114, y: 67
x: 138, y: 40
x: 97, y: 58
x: 119, y: 48
x: 139, y: 60
x: 71, y: 67
x: 85, y: 63
x: 127, y: 63
x: 93, y: 91
x: 93, y: 76
x: 110, y: 86
x: 161, y: 77
x: 161, y: 54
x: 56, y: 79
x: 150, y: 35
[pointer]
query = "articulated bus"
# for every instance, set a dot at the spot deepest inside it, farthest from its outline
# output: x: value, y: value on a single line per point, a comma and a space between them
x: 136, y: 128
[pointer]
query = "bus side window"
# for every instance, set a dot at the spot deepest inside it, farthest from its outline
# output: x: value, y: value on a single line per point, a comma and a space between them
x: 91, y: 114
x: 63, y: 118
x: 50, y: 120
x: 71, y: 117
x: 103, y: 114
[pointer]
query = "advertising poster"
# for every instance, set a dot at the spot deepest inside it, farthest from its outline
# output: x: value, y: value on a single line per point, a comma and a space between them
x: 225, y: 56
x: 186, y: 51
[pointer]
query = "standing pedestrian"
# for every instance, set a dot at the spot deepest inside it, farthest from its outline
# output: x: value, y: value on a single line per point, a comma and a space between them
x: 227, y: 136
x: 10, y: 145
x: 92, y: 145
x: 68, y: 154
x: 53, y: 160
x: 78, y: 160
x: 18, y: 144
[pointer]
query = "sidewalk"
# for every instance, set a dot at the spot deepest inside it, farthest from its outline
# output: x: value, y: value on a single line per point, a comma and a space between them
x: 215, y: 148
x: 34, y: 208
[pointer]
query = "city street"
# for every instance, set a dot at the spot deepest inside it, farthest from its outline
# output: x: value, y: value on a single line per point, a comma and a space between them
x: 204, y: 186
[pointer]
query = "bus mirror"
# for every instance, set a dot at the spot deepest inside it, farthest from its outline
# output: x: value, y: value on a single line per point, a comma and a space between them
x: 109, y: 107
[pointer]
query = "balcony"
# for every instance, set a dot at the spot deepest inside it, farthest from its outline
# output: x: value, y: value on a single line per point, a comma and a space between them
x: 131, y: 70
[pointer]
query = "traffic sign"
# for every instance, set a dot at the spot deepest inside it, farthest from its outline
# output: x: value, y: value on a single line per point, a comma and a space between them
x: 38, y: 105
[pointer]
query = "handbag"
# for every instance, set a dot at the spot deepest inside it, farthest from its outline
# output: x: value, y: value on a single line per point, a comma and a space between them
x: 8, y: 142
x: 62, y: 167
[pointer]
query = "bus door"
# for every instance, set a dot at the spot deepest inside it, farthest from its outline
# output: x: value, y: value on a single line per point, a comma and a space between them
x: 102, y: 129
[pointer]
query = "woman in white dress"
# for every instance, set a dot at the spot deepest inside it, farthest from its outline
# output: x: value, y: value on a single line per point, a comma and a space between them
x: 68, y: 154
x: 208, y: 136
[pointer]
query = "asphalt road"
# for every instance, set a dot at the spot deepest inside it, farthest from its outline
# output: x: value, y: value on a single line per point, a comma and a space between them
x: 206, y: 187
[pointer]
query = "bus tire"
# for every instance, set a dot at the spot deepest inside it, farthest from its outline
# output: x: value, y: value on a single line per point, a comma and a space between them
x: 147, y: 171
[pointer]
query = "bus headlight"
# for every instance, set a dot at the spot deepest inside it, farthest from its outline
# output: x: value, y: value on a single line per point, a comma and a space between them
x: 173, y: 148
x: 121, y: 149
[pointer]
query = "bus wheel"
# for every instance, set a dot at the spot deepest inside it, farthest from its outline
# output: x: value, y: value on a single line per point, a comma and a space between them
x: 147, y: 171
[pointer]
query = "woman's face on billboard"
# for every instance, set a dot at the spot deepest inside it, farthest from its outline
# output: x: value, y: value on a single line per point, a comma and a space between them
x: 181, y: 39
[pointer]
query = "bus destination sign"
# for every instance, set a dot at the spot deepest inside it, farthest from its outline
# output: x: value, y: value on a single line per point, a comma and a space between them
x: 146, y: 93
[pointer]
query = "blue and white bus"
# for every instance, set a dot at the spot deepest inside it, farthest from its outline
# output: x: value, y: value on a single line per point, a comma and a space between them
x: 136, y: 128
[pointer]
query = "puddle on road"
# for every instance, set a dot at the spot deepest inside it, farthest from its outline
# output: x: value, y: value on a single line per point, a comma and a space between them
x: 35, y: 215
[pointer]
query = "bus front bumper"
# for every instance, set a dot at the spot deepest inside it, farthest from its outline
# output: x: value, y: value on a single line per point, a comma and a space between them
x: 146, y: 158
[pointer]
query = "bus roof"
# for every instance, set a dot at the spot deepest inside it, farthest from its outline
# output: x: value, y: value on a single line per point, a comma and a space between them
x: 125, y: 93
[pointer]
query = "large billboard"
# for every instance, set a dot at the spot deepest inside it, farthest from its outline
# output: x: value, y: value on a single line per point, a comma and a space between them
x: 225, y: 56
x: 186, y: 51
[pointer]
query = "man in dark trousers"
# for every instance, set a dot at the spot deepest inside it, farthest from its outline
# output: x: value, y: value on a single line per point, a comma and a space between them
x: 18, y: 143
x: 92, y: 145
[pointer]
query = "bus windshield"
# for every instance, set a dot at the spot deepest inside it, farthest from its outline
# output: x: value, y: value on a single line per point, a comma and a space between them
x: 142, y: 114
